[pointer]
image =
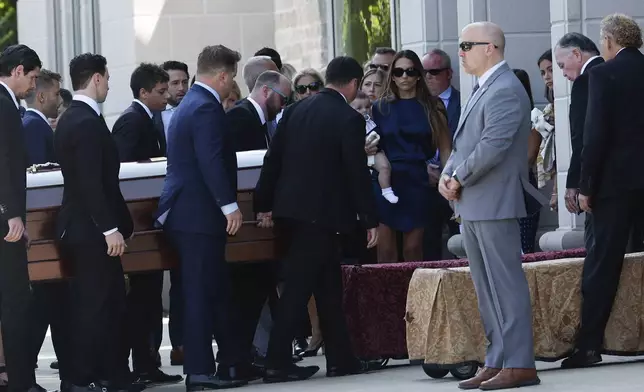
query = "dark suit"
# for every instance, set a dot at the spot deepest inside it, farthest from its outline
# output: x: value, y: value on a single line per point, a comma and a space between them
x: 49, y: 298
x: 92, y: 205
x: 315, y: 180
x: 39, y: 139
x: 137, y: 138
x: 15, y: 292
x: 611, y: 164
x: 442, y: 213
x: 248, y: 131
x: 201, y: 179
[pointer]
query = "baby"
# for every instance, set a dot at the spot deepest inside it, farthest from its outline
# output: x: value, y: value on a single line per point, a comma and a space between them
x: 379, y: 160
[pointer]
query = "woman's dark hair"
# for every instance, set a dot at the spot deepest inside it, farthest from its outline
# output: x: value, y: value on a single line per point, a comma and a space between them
x: 524, y: 78
x: 547, y: 55
x: 430, y: 103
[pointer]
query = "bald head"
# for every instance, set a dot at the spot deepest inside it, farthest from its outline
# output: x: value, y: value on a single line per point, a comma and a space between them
x: 254, y: 67
x: 485, y: 32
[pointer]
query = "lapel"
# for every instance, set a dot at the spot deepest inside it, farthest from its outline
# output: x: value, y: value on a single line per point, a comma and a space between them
x: 157, y: 119
x: 482, y: 90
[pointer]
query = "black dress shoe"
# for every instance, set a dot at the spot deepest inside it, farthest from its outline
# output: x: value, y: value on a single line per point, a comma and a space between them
x: 200, y: 383
x: 581, y: 359
x: 245, y: 371
x: 290, y: 373
x: 54, y: 365
x: 156, y: 377
x: 300, y: 346
x: 358, y: 367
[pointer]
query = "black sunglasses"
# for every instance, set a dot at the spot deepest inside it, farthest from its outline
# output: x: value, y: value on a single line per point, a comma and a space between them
x: 436, y: 71
x: 411, y: 72
x: 384, y: 67
x: 466, y: 46
x: 301, y: 89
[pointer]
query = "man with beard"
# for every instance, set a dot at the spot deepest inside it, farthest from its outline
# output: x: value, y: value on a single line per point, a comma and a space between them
x: 177, y: 89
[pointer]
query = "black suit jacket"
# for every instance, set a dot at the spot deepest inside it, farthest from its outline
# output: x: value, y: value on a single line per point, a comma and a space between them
x: 316, y: 170
x: 136, y: 136
x: 613, y: 154
x: 248, y: 131
x: 577, y: 118
x: 89, y: 160
x: 13, y: 162
x: 157, y: 119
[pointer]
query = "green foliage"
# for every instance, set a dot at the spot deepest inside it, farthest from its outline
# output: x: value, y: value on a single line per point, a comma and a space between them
x: 366, y: 26
x: 8, y: 24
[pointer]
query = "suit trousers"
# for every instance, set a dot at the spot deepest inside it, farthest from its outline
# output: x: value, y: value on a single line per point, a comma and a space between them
x: 207, y: 302
x: 15, y: 295
x: 98, y: 309
x: 175, y: 322
x: 613, y: 220
x: 311, y: 267
x: 144, y: 311
x: 50, y: 310
x: 494, y: 252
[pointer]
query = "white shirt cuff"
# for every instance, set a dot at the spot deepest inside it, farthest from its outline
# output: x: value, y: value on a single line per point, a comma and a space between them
x: 114, y: 230
x: 229, y: 208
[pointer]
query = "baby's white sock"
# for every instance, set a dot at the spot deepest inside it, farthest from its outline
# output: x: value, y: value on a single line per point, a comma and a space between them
x: 389, y: 194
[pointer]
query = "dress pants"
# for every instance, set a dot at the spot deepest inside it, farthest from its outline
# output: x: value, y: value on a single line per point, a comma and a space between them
x: 494, y: 250
x: 98, y: 308
x: 15, y: 295
x: 50, y: 309
x: 207, y: 302
x: 175, y: 323
x: 311, y: 267
x: 144, y: 312
x: 613, y: 218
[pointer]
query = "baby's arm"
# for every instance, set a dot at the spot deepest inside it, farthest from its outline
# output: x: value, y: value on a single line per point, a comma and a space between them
x: 383, y: 167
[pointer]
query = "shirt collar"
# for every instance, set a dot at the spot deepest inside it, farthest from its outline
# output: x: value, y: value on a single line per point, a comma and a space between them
x: 38, y: 112
x: 212, y: 90
x: 259, y: 110
x: 446, y: 95
x: 583, y: 68
x: 169, y: 107
x: 147, y: 109
x: 88, y: 101
x: 13, y: 96
x: 489, y: 73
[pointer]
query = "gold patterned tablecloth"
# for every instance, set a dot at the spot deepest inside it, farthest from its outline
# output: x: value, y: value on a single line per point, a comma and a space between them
x: 444, y: 325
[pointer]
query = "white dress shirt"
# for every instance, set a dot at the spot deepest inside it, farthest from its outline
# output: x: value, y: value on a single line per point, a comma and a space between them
x: 445, y: 96
x: 583, y: 68
x: 232, y: 207
x: 13, y: 96
x: 94, y: 105
x: 489, y: 73
x: 166, y: 116
x: 147, y: 109
x: 258, y: 109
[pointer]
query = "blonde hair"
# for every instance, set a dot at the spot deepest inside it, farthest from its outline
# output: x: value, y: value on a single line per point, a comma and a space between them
x: 623, y: 30
x: 236, y: 90
x: 289, y: 71
x: 308, y: 72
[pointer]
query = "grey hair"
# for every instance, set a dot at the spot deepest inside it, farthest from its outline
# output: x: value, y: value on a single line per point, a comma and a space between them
x: 271, y: 79
x: 579, y: 41
x: 446, y: 61
x: 254, y: 67
x: 623, y: 29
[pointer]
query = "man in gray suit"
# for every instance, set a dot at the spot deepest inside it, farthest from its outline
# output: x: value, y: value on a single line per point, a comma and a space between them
x: 486, y: 179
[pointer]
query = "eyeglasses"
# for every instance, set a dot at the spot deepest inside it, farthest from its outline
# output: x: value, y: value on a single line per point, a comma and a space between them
x: 283, y: 97
x: 411, y: 72
x: 466, y: 46
x: 301, y: 89
x: 436, y: 71
x: 384, y: 67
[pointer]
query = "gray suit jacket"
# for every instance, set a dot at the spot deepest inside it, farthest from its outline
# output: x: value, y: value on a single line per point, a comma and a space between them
x: 490, y: 151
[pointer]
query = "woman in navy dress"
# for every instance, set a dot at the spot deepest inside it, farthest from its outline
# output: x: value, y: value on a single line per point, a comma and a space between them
x: 413, y: 124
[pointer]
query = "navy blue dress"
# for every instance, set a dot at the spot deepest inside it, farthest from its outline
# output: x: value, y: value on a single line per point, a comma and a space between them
x: 406, y: 139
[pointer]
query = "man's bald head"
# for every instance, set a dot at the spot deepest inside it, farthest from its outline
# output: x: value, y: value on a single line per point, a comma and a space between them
x: 254, y: 67
x: 486, y: 32
x: 481, y: 47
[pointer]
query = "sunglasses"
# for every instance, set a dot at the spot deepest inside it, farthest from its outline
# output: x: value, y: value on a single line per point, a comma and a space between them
x: 384, y: 67
x: 283, y: 97
x: 301, y: 89
x: 436, y: 71
x: 466, y: 46
x: 411, y: 72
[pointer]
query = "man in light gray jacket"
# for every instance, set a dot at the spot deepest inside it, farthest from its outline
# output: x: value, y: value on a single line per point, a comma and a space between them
x: 486, y: 179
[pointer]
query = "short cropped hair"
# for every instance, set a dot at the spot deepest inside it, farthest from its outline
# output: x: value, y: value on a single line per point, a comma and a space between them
x: 146, y: 76
x: 83, y: 67
x: 16, y: 55
x: 579, y: 41
x: 172, y: 65
x: 385, y: 50
x: 67, y: 97
x: 342, y: 70
x: 446, y: 61
x: 273, y: 54
x: 624, y: 30
x: 254, y: 67
x: 45, y: 81
x: 217, y: 58
x: 268, y: 78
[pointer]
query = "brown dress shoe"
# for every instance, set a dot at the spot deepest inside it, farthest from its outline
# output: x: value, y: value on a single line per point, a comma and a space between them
x: 511, y: 378
x: 483, y: 375
x: 176, y: 356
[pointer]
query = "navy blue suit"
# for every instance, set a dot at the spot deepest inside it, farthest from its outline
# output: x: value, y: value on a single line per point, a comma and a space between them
x: 201, y: 179
x: 454, y: 110
x: 39, y: 139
